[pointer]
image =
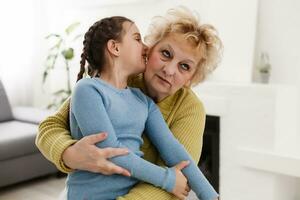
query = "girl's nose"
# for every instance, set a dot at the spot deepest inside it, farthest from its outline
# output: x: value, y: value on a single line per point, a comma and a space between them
x: 145, y: 49
x: 145, y: 53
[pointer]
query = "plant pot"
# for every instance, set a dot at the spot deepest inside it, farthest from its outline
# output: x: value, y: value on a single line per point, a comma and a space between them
x: 264, y: 77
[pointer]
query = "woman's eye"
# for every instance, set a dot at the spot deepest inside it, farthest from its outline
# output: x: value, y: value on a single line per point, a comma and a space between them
x: 166, y: 53
x: 185, y: 67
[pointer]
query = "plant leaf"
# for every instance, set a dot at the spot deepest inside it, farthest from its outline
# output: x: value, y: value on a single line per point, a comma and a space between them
x: 51, y: 105
x: 68, y: 54
x: 50, y: 57
x: 51, y: 66
x: 52, y: 35
x: 68, y: 92
x: 63, y: 100
x: 62, y: 91
x: 71, y: 28
x: 57, y: 45
x: 45, y: 74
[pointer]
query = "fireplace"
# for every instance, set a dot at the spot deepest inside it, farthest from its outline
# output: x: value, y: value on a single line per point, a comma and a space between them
x: 209, y: 162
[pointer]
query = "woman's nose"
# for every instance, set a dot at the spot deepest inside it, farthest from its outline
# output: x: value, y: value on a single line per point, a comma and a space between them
x: 169, y: 69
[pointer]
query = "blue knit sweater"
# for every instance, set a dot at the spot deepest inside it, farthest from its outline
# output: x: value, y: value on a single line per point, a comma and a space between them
x: 124, y: 114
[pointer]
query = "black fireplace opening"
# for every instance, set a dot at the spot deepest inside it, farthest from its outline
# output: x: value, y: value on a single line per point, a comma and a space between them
x: 210, y: 156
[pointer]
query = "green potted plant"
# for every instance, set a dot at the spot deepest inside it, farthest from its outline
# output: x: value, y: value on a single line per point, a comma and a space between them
x: 62, y: 50
x: 264, y: 68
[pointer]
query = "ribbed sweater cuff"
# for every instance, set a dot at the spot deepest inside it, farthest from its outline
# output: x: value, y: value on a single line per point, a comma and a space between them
x: 170, y: 178
x: 60, y: 147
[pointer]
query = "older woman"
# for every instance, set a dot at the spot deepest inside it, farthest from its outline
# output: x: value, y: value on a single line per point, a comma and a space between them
x: 181, y: 53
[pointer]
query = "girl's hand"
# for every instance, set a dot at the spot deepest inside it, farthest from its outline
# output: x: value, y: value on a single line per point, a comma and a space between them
x: 181, y: 189
x: 85, y: 155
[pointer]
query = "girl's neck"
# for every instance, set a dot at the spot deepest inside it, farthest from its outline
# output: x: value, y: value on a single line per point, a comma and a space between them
x: 115, y: 76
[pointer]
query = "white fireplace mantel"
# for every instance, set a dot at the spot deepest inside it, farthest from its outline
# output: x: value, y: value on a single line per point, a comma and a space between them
x: 259, y: 139
x: 270, y: 161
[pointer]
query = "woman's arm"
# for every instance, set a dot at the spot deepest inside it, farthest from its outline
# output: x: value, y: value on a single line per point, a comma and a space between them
x: 54, y: 137
x: 87, y: 110
x: 55, y: 142
x: 188, y: 118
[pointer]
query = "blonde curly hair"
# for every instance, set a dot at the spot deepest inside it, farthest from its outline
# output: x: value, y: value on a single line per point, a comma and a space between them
x: 203, y: 37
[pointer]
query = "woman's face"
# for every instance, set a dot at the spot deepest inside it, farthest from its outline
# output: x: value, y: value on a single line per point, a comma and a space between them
x: 171, y: 65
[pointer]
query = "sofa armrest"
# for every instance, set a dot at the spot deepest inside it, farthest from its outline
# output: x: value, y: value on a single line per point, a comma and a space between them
x: 30, y: 114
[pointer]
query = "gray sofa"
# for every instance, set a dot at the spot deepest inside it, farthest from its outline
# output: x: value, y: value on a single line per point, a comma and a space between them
x: 20, y: 159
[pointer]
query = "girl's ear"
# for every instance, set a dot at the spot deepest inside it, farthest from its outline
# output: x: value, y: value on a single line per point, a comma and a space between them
x: 113, y: 47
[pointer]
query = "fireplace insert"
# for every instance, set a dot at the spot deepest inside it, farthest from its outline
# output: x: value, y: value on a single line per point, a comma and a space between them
x: 209, y: 161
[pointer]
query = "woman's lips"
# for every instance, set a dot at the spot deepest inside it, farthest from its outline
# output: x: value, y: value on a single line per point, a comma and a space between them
x: 164, y: 80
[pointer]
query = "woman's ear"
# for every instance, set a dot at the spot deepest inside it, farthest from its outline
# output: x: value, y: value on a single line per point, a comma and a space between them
x: 113, y: 47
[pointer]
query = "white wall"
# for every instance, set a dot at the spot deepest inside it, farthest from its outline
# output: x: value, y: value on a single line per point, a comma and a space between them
x: 278, y: 31
x: 235, y: 21
x: 17, y: 39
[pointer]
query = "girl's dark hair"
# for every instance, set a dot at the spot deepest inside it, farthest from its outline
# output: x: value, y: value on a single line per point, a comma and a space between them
x: 95, y: 40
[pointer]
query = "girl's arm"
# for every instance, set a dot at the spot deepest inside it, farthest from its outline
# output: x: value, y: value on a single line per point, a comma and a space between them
x: 88, y: 108
x: 173, y: 152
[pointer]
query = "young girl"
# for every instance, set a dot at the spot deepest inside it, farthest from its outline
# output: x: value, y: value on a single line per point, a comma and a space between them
x: 114, y: 51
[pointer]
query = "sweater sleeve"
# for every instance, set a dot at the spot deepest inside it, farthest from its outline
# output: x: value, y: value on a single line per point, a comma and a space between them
x: 54, y: 137
x: 87, y: 107
x: 189, y: 118
x: 172, y: 152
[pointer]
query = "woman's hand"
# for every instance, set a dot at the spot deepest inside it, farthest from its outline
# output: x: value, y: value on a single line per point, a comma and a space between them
x: 85, y: 155
x: 181, y: 189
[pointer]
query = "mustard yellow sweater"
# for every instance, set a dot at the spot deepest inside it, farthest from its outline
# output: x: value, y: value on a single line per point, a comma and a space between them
x: 183, y: 112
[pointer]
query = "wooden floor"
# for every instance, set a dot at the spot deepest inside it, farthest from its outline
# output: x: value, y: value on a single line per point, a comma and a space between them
x: 45, y: 188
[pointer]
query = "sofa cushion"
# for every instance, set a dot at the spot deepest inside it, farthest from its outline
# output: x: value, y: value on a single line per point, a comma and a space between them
x: 30, y: 114
x: 17, y: 139
x: 5, y: 109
